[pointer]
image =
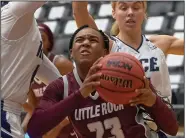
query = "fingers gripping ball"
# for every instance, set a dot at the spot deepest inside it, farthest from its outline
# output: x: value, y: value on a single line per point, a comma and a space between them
x: 121, y: 75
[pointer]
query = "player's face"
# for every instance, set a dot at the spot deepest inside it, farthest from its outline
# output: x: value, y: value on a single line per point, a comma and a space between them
x: 46, y: 42
x: 129, y: 15
x: 88, y: 46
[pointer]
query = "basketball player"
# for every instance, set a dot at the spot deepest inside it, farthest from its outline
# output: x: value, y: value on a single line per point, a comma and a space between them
x: 64, y: 129
x: 21, y: 59
x: 128, y: 38
x: 64, y: 66
x: 48, y: 39
x: 129, y: 17
x: 74, y: 96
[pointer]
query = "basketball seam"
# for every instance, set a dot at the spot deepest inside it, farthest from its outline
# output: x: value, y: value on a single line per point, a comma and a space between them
x: 104, y: 69
x: 111, y: 91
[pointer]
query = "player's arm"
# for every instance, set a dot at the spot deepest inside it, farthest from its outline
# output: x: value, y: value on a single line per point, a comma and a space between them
x: 18, y: 17
x: 163, y: 116
x: 52, y: 109
x: 25, y: 121
x: 56, y: 130
x: 81, y: 14
x: 47, y: 72
x: 63, y: 64
x: 168, y: 44
x: 29, y: 108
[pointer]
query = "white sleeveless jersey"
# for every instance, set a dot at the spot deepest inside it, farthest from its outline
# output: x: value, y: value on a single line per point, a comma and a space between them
x: 153, y: 61
x: 19, y: 60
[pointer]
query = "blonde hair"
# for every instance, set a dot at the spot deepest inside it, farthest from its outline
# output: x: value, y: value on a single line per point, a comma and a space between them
x: 115, y: 28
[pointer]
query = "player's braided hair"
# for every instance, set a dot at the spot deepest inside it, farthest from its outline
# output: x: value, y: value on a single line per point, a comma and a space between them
x: 105, y: 38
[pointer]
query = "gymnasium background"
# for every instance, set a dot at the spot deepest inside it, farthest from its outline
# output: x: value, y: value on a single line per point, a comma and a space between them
x: 163, y: 18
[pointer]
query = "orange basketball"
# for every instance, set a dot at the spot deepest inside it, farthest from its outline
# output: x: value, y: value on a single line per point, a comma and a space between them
x: 121, y: 75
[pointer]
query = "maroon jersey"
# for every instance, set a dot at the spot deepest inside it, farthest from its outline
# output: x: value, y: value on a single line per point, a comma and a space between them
x: 38, y: 88
x: 92, y: 117
x: 67, y: 132
x: 95, y: 118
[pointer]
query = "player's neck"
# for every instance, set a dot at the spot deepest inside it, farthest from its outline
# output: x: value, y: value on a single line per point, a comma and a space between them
x: 131, y: 39
x: 82, y: 72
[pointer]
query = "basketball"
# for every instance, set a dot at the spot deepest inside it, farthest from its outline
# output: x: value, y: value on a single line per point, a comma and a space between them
x: 122, y: 73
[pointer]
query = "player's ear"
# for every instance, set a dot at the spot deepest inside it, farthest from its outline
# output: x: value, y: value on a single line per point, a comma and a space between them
x: 113, y: 14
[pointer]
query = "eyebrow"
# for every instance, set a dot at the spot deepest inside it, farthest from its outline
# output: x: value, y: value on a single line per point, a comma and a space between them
x: 83, y: 36
x: 140, y: 2
x: 122, y: 2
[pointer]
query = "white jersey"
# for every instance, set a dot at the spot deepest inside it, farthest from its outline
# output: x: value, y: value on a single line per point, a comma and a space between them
x: 21, y: 55
x: 153, y: 61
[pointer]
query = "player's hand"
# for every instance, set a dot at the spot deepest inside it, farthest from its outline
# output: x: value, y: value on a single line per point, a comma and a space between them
x: 146, y: 96
x: 92, y: 79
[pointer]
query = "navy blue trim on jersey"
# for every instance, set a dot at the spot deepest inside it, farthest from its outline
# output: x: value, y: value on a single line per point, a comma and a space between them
x: 40, y: 55
x: 131, y: 46
x: 140, y: 43
x: 40, y: 51
x: 4, y: 124
x: 112, y: 37
x: 34, y: 73
x: 2, y: 104
x: 146, y: 38
x: 161, y: 134
x: 3, y: 3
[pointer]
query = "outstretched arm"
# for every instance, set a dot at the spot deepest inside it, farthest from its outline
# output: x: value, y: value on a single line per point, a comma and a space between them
x: 17, y: 17
x: 47, y: 72
x: 168, y: 44
x: 81, y: 15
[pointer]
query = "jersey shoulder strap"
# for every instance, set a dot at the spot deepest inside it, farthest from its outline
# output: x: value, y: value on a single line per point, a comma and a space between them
x: 65, y: 82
